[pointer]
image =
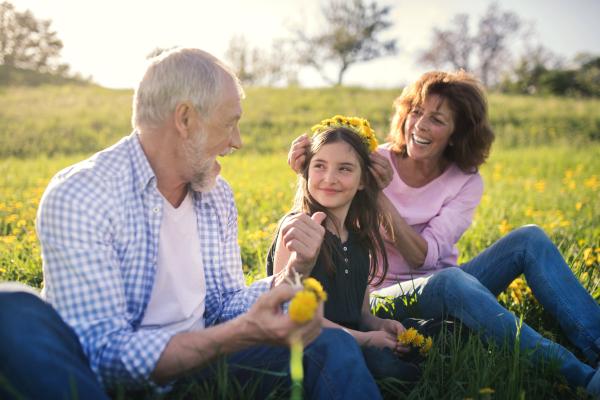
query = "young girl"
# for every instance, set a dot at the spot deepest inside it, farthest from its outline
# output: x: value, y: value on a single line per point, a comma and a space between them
x: 336, y: 180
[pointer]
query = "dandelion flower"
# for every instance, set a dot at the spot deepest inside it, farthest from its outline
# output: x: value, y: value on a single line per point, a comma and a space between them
x: 418, y: 340
x: 486, y: 391
x: 424, y: 351
x: 303, y: 306
x: 408, y: 336
x: 314, y: 285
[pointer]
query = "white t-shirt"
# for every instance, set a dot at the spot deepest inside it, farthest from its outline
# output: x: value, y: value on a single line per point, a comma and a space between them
x: 179, y: 291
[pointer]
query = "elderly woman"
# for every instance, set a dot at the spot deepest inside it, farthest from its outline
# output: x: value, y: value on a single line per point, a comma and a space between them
x: 439, y: 136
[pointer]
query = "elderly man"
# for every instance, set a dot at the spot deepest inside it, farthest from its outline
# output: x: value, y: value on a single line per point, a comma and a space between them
x: 141, y: 262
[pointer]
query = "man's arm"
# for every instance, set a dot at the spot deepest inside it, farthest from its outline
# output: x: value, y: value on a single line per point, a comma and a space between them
x: 84, y: 283
x: 264, y: 324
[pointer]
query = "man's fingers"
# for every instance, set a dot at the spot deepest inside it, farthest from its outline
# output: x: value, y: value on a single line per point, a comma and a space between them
x: 279, y: 295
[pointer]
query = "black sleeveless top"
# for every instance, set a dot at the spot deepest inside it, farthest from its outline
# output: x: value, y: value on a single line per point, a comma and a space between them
x: 346, y: 289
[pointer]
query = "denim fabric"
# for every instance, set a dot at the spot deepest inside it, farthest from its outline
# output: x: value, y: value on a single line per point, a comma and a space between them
x: 40, y: 356
x: 333, y: 368
x: 469, y: 292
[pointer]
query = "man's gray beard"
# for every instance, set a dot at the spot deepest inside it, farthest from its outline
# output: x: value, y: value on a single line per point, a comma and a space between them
x: 200, y: 163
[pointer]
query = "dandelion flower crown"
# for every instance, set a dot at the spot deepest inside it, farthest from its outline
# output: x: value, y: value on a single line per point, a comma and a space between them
x: 358, y: 125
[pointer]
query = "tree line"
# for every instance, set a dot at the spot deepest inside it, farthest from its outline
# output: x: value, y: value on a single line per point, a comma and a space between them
x: 500, y: 51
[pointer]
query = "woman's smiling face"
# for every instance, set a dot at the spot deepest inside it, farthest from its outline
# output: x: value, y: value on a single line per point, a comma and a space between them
x: 428, y: 129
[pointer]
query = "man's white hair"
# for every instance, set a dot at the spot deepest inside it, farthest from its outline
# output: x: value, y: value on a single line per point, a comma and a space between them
x: 178, y: 75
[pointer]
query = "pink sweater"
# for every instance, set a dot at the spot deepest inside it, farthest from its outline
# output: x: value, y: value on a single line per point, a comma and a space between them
x: 440, y: 212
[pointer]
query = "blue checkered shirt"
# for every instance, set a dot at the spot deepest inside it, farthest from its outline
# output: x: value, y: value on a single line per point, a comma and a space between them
x: 98, y: 224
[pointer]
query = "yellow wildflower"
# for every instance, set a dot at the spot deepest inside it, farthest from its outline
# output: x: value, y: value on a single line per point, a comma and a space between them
x: 2, y: 270
x: 303, y: 306
x: 315, y: 286
x: 560, y: 387
x: 565, y: 223
x: 590, y: 261
x: 264, y: 220
x: 505, y: 227
x: 418, y: 340
x: 424, y: 351
x: 578, y: 206
x: 486, y: 391
x: 408, y: 336
x: 587, y: 252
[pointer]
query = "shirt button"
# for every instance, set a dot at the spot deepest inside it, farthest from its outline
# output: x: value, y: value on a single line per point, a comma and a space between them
x: 152, y: 181
x: 345, y: 259
x: 141, y: 185
x: 345, y: 248
x: 155, y: 209
x: 346, y: 271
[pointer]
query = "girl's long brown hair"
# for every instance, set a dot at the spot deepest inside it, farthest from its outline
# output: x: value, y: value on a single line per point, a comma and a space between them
x: 364, y: 216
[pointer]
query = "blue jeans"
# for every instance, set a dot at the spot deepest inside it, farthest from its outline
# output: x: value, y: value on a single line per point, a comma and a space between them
x: 334, y: 368
x: 41, y: 358
x: 469, y: 292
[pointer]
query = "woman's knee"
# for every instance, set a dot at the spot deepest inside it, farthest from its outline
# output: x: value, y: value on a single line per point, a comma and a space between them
x: 529, y: 236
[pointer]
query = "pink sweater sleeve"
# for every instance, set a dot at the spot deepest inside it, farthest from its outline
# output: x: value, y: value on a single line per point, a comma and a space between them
x: 444, y: 230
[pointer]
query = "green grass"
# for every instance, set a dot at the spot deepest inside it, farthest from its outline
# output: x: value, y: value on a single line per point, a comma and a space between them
x: 544, y: 170
x: 74, y: 119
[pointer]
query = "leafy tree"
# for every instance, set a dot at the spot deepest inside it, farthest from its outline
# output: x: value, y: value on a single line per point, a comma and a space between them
x: 158, y: 51
x: 455, y: 47
x: 349, y: 35
x: 26, y: 42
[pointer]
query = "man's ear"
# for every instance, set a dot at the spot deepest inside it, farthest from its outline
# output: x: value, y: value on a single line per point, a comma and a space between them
x: 185, y: 118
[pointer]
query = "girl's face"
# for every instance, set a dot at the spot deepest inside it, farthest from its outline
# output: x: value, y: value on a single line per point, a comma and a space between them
x: 427, y: 130
x: 334, y: 176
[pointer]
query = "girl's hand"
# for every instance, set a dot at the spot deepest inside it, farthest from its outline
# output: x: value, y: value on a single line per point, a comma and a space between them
x: 395, y: 328
x: 382, y: 169
x: 297, y: 154
x: 303, y: 236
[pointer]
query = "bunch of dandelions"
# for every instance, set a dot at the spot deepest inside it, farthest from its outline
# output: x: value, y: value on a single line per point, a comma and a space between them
x: 302, y: 309
x: 415, y: 339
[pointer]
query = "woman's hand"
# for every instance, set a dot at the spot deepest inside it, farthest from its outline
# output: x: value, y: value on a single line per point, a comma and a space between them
x: 382, y: 169
x: 297, y: 154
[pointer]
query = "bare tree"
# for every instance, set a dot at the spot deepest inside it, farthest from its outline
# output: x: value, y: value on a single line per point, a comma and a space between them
x: 26, y: 42
x: 451, y: 47
x: 256, y: 66
x: 490, y: 46
x: 350, y: 35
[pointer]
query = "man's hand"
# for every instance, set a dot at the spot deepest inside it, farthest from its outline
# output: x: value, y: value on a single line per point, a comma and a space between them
x: 303, y: 236
x: 266, y: 324
x: 297, y: 154
x: 382, y: 169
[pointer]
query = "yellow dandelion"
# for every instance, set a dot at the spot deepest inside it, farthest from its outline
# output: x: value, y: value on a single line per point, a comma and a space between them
x: 2, y: 270
x: 505, y: 227
x: 590, y: 261
x: 578, y: 206
x: 264, y: 220
x: 315, y: 286
x: 303, y: 306
x: 565, y: 223
x: 584, y: 276
x: 424, y: 351
x: 486, y: 391
x: 485, y: 197
x: 560, y: 387
x: 408, y: 336
x: 418, y: 340
x: 587, y: 252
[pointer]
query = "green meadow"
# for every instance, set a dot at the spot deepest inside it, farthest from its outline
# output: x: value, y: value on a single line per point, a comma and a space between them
x: 544, y: 169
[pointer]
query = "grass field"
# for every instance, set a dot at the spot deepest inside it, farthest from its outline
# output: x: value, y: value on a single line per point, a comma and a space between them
x: 544, y: 170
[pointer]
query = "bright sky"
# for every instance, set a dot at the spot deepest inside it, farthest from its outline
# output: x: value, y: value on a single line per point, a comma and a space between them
x: 109, y: 39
